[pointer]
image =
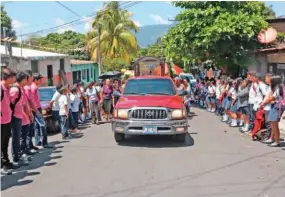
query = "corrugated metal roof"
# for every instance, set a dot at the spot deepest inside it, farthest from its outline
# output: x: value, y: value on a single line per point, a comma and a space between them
x: 279, y: 47
x: 74, y: 62
x: 32, y: 54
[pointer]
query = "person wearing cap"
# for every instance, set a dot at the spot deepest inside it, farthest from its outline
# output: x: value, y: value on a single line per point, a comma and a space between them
x: 40, y: 131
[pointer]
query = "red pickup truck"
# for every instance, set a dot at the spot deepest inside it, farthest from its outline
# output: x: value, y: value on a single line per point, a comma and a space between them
x: 150, y: 105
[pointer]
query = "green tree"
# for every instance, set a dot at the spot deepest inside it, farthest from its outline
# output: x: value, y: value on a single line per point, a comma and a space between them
x: 116, y: 38
x: 226, y: 30
x: 6, y: 22
x: 69, y: 42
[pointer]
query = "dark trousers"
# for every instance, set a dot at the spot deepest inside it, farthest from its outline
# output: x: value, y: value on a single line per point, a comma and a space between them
x: 16, y: 137
x: 251, y: 116
x: 71, y: 122
x: 30, y: 136
x: 75, y: 116
x: 55, y: 116
x: 267, y: 133
x: 5, y: 137
x: 24, y: 138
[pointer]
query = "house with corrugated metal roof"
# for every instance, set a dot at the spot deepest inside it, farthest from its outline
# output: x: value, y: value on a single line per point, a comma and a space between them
x: 54, y: 67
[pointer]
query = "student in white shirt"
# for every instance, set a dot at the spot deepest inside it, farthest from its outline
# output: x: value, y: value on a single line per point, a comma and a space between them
x: 234, y: 113
x: 64, y: 112
x: 54, y: 104
x: 93, y: 102
x: 267, y: 107
x: 75, y: 102
x: 228, y: 101
x: 211, y: 98
x: 275, y: 111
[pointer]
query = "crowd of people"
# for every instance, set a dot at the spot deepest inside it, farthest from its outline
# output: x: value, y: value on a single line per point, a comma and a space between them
x: 249, y: 103
x: 22, y: 119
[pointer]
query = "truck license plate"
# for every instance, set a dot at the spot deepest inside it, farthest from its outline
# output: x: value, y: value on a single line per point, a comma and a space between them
x: 149, y: 130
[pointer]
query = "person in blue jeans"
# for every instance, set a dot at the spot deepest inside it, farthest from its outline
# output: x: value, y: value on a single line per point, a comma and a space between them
x: 64, y: 113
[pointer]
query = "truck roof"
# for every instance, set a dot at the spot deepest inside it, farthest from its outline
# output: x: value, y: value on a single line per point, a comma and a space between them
x: 150, y: 77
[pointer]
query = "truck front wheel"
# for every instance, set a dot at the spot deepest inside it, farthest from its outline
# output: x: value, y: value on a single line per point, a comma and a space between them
x: 119, y: 137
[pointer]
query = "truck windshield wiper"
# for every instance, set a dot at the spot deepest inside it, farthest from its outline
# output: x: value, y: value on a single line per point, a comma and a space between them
x: 160, y: 93
x: 134, y: 93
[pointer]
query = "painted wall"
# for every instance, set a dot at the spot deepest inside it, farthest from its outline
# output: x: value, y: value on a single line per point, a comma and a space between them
x: 91, y: 67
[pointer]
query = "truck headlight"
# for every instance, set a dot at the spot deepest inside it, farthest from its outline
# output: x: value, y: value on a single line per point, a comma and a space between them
x: 121, y: 113
x: 178, y: 113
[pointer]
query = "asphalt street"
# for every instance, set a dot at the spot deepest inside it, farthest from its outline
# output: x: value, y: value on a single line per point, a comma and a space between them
x: 215, y: 161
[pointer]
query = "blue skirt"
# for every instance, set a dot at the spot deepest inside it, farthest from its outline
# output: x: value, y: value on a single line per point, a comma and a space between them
x: 275, y: 113
x: 234, y: 108
x: 228, y: 103
x: 211, y: 99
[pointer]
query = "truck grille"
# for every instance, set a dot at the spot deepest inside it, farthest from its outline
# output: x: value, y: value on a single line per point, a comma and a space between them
x: 150, y: 114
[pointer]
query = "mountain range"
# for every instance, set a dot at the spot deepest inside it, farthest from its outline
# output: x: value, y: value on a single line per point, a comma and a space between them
x: 147, y: 35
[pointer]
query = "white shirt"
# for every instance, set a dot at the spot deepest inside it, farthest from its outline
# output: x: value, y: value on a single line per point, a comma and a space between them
x: 68, y: 101
x: 74, y: 100
x: 211, y: 89
x: 62, y: 102
x: 257, y: 95
x: 268, y: 92
x: 218, y: 91
x: 55, y: 98
x: 233, y: 92
x: 276, y: 95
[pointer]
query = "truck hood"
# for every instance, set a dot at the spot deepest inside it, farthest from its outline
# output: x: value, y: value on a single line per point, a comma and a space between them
x: 172, y: 102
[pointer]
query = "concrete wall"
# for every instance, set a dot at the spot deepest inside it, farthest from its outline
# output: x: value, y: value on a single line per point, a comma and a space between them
x: 258, y: 63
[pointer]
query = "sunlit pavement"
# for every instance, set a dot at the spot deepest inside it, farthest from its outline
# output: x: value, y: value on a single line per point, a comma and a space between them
x: 215, y: 161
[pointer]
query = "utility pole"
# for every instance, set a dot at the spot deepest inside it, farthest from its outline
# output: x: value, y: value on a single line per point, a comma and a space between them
x: 98, y: 51
x: 5, y: 42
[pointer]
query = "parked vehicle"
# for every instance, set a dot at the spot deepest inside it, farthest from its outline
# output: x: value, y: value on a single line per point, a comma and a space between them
x: 190, y: 76
x: 150, y: 105
x: 46, y: 94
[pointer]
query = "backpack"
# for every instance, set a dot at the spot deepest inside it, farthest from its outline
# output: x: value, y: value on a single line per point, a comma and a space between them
x: 12, y: 106
x: 282, y: 101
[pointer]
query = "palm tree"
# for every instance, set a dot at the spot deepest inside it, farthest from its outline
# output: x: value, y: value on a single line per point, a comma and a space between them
x: 116, y: 38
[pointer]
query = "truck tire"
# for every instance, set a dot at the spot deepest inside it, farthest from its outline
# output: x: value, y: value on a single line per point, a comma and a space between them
x: 181, y: 137
x: 119, y: 137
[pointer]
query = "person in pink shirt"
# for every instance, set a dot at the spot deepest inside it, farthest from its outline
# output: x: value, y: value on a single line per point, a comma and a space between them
x: 30, y: 146
x: 39, y: 130
x: 8, y: 78
x: 19, y: 110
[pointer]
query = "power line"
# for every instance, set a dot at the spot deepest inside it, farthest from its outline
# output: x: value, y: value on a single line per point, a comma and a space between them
x: 80, y: 20
x: 68, y: 9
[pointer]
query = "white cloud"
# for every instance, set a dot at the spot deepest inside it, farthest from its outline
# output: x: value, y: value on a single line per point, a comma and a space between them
x: 137, y: 23
x: 62, y: 29
x: 158, y: 19
x: 17, y: 24
x: 88, y: 23
x: 168, y: 2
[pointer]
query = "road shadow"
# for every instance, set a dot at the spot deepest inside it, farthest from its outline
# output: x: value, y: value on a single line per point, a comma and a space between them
x: 77, y: 135
x: 156, y: 141
x: 43, y: 158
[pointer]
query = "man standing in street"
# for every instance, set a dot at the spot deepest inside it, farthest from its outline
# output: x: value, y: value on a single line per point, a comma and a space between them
x: 17, y: 108
x: 8, y: 78
x: 39, y: 129
x: 27, y: 88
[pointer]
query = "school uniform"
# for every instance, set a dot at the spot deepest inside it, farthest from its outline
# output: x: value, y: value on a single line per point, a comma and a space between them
x: 242, y: 96
x: 62, y: 101
x: 234, y: 107
x: 75, y: 102
x: 276, y: 110
x: 211, y: 94
x: 267, y: 108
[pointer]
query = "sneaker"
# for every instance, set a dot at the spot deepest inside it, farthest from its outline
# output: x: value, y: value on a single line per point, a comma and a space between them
x: 97, y: 122
x: 213, y: 110
x: 29, y: 153
x: 6, y: 171
x: 47, y: 146
x: 25, y: 157
x: 233, y: 124
x: 13, y: 165
x: 268, y: 141
x: 67, y: 137
x: 274, y: 144
x: 22, y: 163
x: 35, y: 148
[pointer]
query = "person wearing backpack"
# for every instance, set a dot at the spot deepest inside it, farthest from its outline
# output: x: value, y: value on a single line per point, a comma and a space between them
x: 8, y: 78
x: 40, y: 131
x: 18, y: 109
x: 277, y: 101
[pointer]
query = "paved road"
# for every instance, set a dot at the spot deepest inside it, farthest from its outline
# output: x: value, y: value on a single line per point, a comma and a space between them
x: 215, y: 161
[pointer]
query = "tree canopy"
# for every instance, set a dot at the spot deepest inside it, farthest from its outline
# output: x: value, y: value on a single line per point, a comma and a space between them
x: 72, y: 43
x: 116, y: 37
x: 7, y: 23
x: 222, y: 31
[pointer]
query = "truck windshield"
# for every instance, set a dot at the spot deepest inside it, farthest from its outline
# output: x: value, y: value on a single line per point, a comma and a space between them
x: 149, y: 86
x: 46, y: 93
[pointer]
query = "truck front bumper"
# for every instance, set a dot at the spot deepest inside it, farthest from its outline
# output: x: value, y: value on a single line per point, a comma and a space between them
x: 163, y: 127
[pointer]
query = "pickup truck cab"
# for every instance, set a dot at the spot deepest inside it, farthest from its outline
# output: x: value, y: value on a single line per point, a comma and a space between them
x: 150, y: 105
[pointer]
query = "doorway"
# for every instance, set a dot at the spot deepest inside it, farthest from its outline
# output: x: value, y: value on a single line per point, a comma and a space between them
x: 50, y: 75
